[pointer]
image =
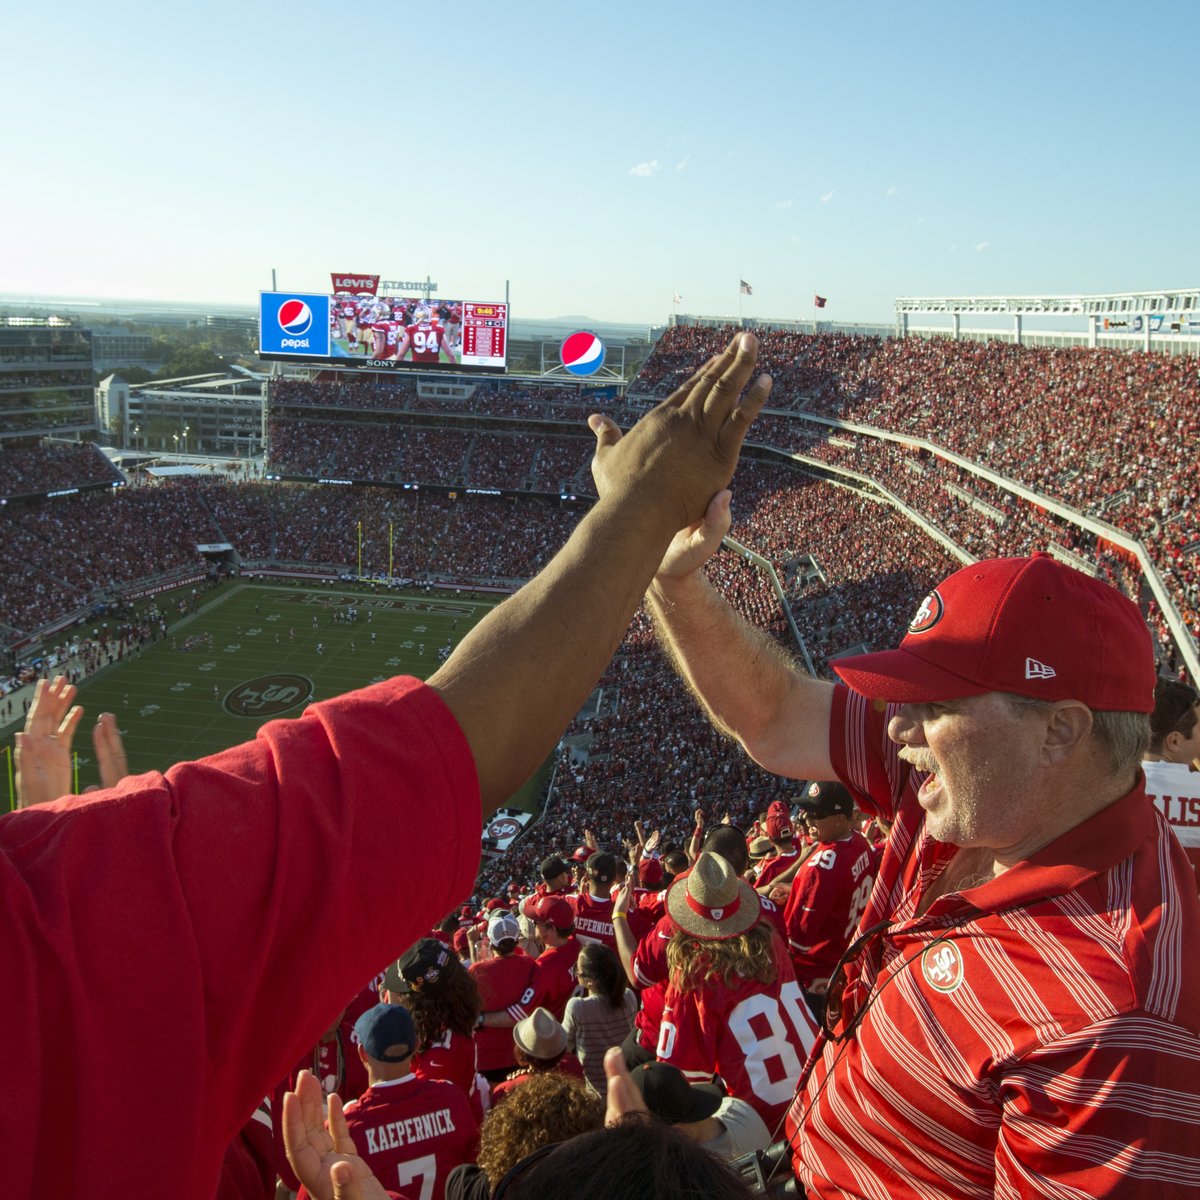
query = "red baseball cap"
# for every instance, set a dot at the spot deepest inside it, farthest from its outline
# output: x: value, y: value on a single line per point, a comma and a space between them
x: 779, y: 827
x: 650, y: 872
x: 1030, y: 626
x: 550, y: 910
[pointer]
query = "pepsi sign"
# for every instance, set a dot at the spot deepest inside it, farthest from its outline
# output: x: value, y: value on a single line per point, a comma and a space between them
x: 582, y: 353
x: 293, y: 323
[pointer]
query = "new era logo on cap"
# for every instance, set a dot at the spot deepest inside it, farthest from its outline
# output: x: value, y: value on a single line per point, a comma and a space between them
x: 1038, y: 670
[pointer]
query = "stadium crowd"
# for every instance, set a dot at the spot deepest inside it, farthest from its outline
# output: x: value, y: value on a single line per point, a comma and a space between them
x: 43, y: 468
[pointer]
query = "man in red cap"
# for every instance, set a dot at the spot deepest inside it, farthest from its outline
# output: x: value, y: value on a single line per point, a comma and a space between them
x: 783, y: 847
x: 554, y: 980
x: 1018, y: 1014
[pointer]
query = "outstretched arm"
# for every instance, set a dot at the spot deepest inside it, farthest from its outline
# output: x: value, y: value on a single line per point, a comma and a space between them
x: 522, y: 673
x: 746, y: 682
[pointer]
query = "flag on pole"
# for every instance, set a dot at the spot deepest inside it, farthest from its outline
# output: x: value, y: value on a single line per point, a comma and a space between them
x: 745, y: 288
x: 819, y: 301
x: 676, y: 298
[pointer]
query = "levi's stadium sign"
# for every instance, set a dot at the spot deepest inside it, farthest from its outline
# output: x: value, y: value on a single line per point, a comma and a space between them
x: 348, y: 282
x: 409, y: 285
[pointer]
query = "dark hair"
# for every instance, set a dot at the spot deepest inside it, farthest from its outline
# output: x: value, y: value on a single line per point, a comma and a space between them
x: 452, y: 1004
x: 1174, y: 711
x: 598, y: 963
x: 674, y: 861
x: 730, y: 843
x: 635, y: 1157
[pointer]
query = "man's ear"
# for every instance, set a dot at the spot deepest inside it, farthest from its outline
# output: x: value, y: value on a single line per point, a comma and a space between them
x: 1068, y: 725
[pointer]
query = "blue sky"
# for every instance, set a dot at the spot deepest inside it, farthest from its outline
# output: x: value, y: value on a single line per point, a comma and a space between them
x: 601, y: 157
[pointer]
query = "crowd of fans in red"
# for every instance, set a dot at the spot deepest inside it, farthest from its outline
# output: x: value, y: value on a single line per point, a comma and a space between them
x: 25, y: 470
x: 1101, y: 431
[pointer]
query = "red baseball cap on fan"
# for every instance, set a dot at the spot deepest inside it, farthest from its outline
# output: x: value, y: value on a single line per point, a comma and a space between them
x: 1030, y: 626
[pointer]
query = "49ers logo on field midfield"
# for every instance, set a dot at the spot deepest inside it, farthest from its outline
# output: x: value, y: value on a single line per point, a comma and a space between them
x: 268, y: 695
x: 928, y: 615
x: 942, y: 966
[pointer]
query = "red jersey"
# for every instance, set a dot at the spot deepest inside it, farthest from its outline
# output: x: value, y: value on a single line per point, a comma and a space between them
x: 412, y: 1133
x: 1034, y: 1036
x: 553, y: 982
x: 829, y: 893
x: 427, y: 341
x: 773, y: 867
x: 501, y: 982
x: 451, y: 1058
x: 593, y: 919
x: 755, y: 1036
x: 650, y: 972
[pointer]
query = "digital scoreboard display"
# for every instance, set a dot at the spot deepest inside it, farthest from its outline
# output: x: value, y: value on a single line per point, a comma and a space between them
x: 383, y: 332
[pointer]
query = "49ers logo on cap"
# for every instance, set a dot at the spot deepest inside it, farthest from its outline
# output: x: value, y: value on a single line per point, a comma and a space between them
x: 928, y: 615
x: 942, y: 966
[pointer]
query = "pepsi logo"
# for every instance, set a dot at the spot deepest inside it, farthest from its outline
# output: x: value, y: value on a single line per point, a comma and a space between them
x: 582, y: 353
x: 928, y: 615
x: 295, y: 317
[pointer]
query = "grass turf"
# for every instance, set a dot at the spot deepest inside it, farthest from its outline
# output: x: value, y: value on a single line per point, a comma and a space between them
x: 176, y: 705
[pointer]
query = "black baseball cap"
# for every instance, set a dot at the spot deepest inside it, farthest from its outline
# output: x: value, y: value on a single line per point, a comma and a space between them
x: 824, y: 798
x: 671, y: 1098
x: 552, y: 867
x: 418, y: 968
x: 602, y: 867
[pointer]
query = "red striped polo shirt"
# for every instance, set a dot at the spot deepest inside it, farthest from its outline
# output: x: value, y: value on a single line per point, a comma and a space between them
x: 1035, y: 1036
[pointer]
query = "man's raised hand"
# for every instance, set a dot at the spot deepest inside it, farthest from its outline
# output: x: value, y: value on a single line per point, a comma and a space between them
x: 683, y: 453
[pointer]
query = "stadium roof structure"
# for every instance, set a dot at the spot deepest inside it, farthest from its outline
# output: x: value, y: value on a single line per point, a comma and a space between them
x: 1181, y: 300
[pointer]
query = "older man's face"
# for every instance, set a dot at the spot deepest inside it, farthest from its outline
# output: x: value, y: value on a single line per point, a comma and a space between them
x: 982, y: 759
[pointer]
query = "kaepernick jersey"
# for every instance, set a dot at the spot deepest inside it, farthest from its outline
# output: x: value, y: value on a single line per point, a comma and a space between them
x: 412, y: 1133
x: 593, y: 919
x: 829, y: 893
x: 426, y: 341
x: 756, y: 1036
x: 553, y: 982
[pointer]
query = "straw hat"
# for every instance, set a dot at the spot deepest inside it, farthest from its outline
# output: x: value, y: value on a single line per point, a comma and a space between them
x: 711, y: 902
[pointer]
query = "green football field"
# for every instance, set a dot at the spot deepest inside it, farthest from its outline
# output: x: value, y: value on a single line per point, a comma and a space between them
x: 264, y: 662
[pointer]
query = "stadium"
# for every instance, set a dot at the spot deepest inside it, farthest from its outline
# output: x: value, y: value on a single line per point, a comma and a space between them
x: 203, y: 555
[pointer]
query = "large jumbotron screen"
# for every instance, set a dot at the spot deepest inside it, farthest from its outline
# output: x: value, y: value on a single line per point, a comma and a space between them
x: 383, y: 332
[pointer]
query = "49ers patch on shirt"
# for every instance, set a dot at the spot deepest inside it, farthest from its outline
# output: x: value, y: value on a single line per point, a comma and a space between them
x: 942, y: 966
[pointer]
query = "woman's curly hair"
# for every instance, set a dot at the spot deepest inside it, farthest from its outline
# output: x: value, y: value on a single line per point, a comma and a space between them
x: 544, y: 1109
x: 694, y: 962
x: 452, y: 1003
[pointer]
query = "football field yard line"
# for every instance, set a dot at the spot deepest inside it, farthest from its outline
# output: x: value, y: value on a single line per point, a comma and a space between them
x: 165, y: 701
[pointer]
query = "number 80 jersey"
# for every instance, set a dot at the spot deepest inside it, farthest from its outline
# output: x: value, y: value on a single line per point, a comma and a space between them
x: 756, y: 1036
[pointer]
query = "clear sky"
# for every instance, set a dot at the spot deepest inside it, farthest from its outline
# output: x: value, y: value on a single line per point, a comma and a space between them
x: 601, y: 157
